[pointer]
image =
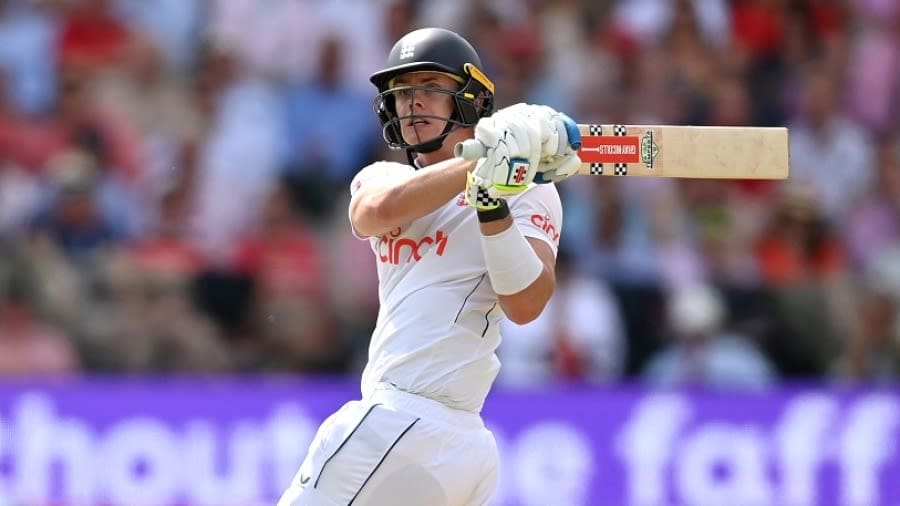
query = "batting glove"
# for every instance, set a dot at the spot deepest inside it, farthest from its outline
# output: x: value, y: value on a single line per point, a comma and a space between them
x: 560, y: 140
x: 512, y: 154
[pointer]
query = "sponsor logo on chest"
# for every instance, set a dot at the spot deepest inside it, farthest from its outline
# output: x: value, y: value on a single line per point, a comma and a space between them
x: 392, y: 248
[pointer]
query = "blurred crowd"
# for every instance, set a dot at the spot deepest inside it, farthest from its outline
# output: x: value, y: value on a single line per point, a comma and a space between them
x: 173, y: 186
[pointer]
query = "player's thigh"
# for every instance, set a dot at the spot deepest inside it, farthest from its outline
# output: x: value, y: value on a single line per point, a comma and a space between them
x: 326, y: 441
x: 347, y: 450
x: 488, y: 473
x: 486, y: 486
x: 436, y: 465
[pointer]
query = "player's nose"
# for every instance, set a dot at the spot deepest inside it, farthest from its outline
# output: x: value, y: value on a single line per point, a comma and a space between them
x: 412, y: 101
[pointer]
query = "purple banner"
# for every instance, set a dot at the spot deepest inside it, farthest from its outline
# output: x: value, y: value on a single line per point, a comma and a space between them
x: 238, y: 442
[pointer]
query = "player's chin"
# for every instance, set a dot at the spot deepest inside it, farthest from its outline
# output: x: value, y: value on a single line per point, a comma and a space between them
x: 419, y: 134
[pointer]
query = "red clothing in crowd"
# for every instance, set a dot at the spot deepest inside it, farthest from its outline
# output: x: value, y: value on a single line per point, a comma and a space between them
x: 285, y: 266
x: 90, y: 36
x: 785, y: 263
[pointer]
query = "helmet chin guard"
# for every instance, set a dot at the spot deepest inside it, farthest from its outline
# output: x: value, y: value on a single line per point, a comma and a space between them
x: 436, y: 50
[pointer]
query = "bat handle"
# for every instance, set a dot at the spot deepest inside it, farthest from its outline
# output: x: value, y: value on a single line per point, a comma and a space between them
x: 473, y: 149
x: 470, y: 149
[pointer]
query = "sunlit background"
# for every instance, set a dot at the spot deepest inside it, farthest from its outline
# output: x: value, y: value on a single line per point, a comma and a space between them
x: 182, y: 301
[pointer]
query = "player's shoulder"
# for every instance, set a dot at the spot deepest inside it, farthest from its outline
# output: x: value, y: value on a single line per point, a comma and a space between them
x: 378, y: 170
x: 385, y: 166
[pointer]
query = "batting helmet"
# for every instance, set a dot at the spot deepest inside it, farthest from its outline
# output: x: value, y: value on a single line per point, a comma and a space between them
x: 439, y: 50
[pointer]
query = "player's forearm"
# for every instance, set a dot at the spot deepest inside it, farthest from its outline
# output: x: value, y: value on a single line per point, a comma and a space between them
x: 378, y: 210
x: 527, y: 303
x: 525, y: 306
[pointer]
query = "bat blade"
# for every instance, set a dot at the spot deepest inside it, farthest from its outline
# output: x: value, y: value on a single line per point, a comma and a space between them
x: 685, y: 151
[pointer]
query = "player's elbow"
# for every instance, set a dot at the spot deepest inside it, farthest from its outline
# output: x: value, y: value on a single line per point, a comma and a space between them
x: 523, y: 310
x: 525, y: 306
x: 372, y: 216
x: 522, y: 317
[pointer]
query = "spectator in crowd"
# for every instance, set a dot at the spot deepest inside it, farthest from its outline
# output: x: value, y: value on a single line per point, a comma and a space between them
x: 74, y: 220
x: 804, y: 264
x: 873, y: 75
x: 159, y: 105
x: 177, y: 26
x: 27, y: 59
x: 702, y: 351
x: 20, y: 197
x: 874, y: 356
x: 828, y: 150
x: 167, y: 248
x: 77, y: 121
x: 288, y: 33
x: 31, y: 348
x: 330, y: 129
x: 649, y: 21
x: 875, y: 222
x: 286, y: 258
x: 353, y: 286
x: 239, y: 157
x: 147, y: 322
x: 91, y: 36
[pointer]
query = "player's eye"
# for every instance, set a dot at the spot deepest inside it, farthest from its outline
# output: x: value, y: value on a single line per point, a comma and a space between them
x: 434, y: 87
x: 403, y: 93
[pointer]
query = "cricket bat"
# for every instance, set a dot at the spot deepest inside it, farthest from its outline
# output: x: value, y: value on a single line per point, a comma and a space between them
x: 703, y: 152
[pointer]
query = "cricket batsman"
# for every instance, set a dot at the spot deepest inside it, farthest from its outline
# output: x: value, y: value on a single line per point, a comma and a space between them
x: 459, y: 246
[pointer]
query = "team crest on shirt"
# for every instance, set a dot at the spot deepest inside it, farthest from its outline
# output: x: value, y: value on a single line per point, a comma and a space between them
x: 461, y: 200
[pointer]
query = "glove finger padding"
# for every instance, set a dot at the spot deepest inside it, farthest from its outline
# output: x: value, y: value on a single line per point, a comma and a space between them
x: 561, y: 168
x: 569, y: 137
x: 527, y: 139
x: 516, y: 159
x: 538, y: 116
x: 512, y: 155
x: 488, y: 132
x: 550, y: 139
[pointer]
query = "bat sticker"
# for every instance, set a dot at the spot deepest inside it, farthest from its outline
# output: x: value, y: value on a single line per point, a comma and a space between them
x: 649, y: 149
x: 609, y: 149
x: 619, y: 149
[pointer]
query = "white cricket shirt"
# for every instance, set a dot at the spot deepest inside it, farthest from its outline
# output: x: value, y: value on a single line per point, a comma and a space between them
x: 439, y: 320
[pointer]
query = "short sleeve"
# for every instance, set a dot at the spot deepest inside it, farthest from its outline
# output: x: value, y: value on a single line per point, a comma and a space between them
x: 374, y: 174
x: 538, y: 214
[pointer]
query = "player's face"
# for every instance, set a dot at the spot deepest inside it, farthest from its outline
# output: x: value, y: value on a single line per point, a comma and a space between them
x: 421, y: 108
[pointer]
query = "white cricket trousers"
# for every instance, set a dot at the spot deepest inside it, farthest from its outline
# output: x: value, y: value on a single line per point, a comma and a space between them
x: 397, y: 449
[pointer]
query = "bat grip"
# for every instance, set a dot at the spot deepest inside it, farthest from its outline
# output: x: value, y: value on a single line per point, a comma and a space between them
x: 469, y: 149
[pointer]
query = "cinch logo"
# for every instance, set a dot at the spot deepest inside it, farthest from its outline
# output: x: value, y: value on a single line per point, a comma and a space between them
x: 543, y: 222
x: 393, y: 249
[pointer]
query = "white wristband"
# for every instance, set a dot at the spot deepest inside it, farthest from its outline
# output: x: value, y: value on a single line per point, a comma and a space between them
x: 511, y: 262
